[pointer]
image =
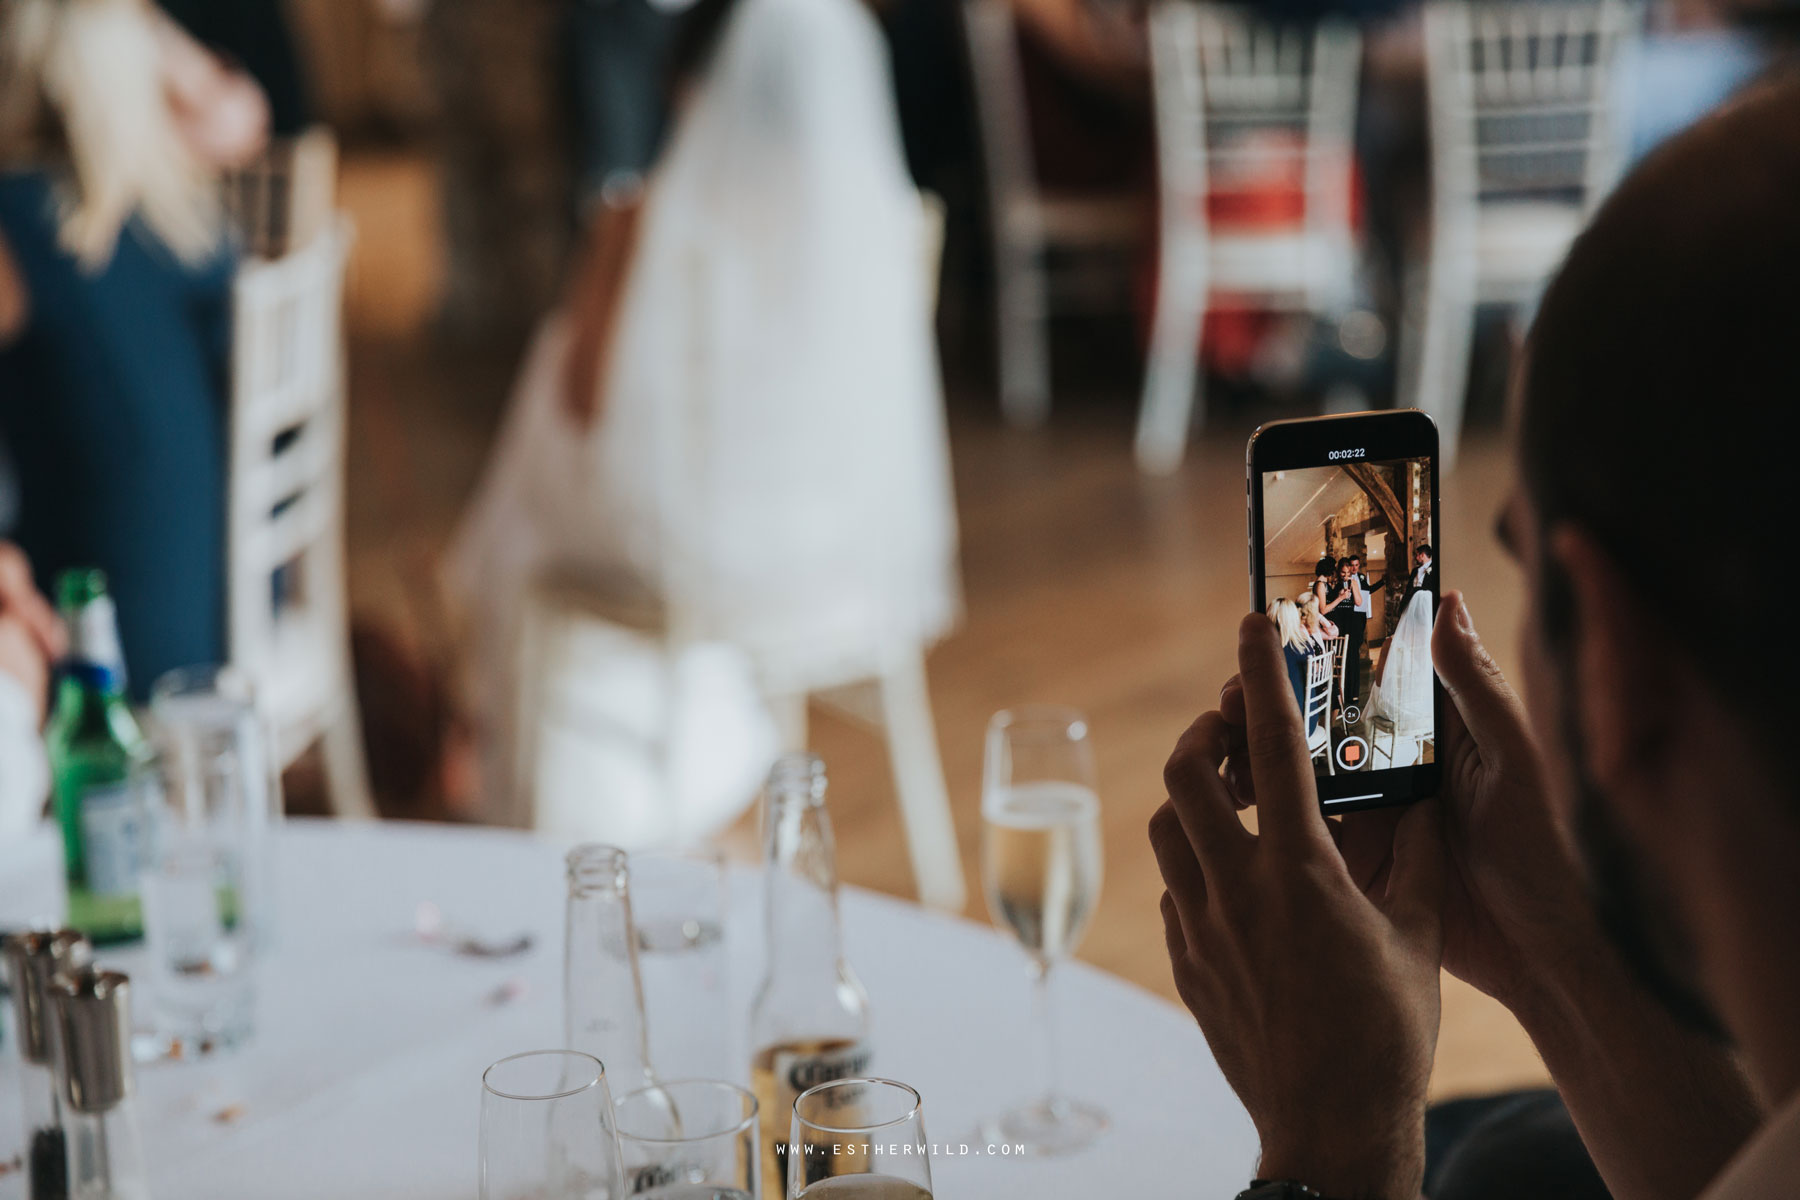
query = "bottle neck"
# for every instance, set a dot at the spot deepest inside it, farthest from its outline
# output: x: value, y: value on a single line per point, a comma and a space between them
x: 603, y: 993
x: 94, y: 642
x: 804, y: 937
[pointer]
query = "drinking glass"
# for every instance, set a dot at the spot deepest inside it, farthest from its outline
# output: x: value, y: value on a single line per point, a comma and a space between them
x: 1040, y: 868
x: 678, y: 905
x: 694, y: 1139
x: 863, y: 1139
x: 208, y: 712
x: 547, y: 1129
x: 193, y: 885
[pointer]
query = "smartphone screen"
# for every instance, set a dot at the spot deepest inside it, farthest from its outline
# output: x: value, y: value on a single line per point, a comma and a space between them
x: 1345, y: 560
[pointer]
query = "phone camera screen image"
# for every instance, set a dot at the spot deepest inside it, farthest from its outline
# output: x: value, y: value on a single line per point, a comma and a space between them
x: 1349, y: 577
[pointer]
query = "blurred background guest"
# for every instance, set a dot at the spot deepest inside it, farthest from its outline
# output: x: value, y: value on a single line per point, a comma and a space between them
x: 738, y: 410
x: 113, y: 126
x: 620, y: 51
x: 502, y: 128
x: 1296, y: 647
x: 254, y: 36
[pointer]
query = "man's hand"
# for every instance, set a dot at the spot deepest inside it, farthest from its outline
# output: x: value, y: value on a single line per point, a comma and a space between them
x: 1317, y: 991
x: 1514, y: 905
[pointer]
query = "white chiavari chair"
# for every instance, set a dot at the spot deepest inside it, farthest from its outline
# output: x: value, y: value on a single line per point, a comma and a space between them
x: 1318, y: 707
x: 1338, y: 650
x: 1524, y: 143
x: 288, y: 608
x: 1029, y: 222
x: 1234, y: 95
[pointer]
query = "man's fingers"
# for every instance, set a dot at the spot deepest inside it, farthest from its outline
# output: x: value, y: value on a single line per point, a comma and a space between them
x: 1487, y: 704
x: 1415, y: 888
x: 1180, y: 869
x: 1231, y: 701
x: 1287, y: 798
x: 1238, y: 781
x: 1199, y: 796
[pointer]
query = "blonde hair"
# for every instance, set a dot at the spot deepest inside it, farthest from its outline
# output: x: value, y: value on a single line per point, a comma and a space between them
x: 1308, y: 605
x: 84, y: 79
x: 1287, y: 623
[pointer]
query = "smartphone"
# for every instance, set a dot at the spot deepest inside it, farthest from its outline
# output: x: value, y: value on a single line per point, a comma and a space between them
x: 1344, y: 557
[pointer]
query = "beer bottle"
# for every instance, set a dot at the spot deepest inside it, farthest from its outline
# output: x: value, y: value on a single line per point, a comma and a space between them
x: 810, y: 1021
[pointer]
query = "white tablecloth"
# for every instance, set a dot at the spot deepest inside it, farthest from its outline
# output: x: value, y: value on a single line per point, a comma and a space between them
x: 364, y: 1077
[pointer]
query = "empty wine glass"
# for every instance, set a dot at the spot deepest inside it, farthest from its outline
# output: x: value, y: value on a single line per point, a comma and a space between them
x: 859, y: 1139
x: 1041, y: 868
x: 693, y: 1139
x: 547, y: 1130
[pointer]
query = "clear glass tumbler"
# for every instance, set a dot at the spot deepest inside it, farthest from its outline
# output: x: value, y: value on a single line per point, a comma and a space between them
x: 693, y: 1139
x: 547, y: 1130
x: 202, y: 989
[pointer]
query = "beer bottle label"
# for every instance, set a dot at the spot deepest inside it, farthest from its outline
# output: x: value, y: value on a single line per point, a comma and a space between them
x: 795, y: 1071
x: 112, y: 838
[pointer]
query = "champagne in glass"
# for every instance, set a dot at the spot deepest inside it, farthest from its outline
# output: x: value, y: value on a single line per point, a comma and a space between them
x: 1041, y: 863
x: 1041, y: 868
x: 863, y: 1139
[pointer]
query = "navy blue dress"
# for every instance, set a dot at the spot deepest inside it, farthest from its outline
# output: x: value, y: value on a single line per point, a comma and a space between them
x: 112, y: 404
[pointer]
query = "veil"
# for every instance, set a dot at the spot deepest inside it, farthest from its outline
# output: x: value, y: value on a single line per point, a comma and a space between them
x: 1404, y: 695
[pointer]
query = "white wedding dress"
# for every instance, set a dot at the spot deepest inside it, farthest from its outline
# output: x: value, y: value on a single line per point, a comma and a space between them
x: 771, y: 461
x: 1404, y: 696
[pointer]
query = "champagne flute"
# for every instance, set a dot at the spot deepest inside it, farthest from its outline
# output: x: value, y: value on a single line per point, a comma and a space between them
x: 859, y: 1139
x: 547, y: 1130
x: 1040, y: 868
x: 693, y: 1139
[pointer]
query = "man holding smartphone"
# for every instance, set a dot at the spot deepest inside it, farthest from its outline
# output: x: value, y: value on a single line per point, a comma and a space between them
x: 1615, y: 864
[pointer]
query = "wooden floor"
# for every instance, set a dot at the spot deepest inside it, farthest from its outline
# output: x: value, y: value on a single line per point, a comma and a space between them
x: 1085, y: 584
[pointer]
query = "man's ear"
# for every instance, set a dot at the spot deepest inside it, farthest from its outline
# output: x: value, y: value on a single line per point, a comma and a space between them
x: 1626, y: 701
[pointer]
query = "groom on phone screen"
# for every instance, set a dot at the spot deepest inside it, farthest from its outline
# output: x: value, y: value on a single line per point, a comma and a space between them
x: 1347, y: 611
x: 1424, y: 575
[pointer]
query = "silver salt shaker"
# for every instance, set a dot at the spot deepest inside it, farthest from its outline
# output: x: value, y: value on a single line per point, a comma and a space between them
x: 93, y: 1022
x: 33, y: 959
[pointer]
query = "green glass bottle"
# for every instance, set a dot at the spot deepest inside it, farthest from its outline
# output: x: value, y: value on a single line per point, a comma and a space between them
x: 98, y: 757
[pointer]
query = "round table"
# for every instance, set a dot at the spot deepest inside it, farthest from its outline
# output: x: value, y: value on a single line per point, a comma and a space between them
x: 363, y: 1079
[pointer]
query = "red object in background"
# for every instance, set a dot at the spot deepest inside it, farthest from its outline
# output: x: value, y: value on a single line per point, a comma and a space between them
x: 1263, y: 191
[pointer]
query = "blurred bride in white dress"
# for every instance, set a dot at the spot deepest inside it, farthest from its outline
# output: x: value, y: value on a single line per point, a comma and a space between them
x: 754, y: 433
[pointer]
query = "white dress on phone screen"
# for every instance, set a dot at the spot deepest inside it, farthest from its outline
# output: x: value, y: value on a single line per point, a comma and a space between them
x: 1404, y: 695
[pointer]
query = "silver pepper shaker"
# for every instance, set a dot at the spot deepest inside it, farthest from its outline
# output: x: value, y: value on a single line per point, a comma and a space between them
x: 32, y: 960
x: 93, y: 1025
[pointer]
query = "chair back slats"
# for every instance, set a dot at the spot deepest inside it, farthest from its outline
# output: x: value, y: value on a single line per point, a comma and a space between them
x: 1221, y: 78
x: 1520, y: 93
x: 1318, y: 690
x: 286, y: 197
